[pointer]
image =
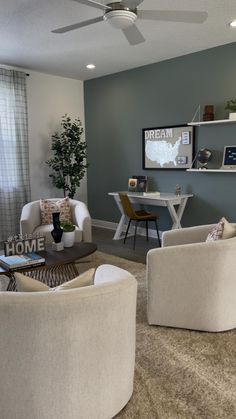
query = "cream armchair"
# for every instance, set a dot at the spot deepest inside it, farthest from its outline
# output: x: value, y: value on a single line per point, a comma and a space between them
x: 69, y: 354
x: 30, y: 221
x: 191, y: 283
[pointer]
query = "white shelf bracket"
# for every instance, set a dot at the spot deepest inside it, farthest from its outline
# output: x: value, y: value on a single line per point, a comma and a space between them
x: 197, y: 115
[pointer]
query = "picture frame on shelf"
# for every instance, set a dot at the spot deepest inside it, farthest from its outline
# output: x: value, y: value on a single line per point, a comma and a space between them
x: 168, y: 147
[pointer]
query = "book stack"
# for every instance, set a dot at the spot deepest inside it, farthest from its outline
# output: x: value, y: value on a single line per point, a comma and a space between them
x: 152, y: 194
x: 26, y: 260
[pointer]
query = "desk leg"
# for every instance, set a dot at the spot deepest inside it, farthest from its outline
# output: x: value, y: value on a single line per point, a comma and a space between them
x: 181, y: 209
x: 120, y: 228
x: 174, y: 216
x: 123, y: 221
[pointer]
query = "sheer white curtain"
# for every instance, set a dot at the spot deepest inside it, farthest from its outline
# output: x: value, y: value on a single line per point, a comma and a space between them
x: 14, y: 150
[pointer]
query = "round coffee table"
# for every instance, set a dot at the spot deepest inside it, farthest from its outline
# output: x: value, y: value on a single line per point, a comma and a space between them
x: 59, y: 266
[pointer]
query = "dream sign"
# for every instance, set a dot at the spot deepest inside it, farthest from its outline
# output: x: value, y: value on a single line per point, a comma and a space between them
x: 18, y: 247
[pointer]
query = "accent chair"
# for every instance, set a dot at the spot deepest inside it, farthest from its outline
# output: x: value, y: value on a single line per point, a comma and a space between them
x: 30, y: 221
x: 191, y: 282
x: 69, y: 354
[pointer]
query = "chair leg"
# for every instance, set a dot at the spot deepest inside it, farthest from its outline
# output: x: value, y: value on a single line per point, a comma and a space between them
x: 158, y: 236
x: 127, y: 230
x: 147, y: 229
x: 136, y: 224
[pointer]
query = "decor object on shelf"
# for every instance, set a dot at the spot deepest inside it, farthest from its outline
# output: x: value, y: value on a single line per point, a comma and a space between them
x: 231, y: 106
x: 70, y: 153
x: 30, y: 221
x: 85, y: 339
x: 168, y: 147
x: 68, y: 236
x: 204, y: 297
x: 208, y: 113
x: 203, y: 157
x: 229, y: 158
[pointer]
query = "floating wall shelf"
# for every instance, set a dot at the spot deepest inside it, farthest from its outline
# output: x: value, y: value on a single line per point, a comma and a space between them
x: 218, y: 121
x: 212, y: 170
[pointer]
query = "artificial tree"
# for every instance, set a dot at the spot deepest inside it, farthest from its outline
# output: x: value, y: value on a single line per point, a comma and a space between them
x: 70, y: 153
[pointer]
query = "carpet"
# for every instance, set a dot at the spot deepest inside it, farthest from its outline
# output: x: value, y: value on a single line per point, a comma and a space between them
x: 179, y: 373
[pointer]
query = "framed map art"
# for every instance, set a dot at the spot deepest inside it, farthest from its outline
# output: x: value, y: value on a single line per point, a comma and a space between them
x: 169, y: 147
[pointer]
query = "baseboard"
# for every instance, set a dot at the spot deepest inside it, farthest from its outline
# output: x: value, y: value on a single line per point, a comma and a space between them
x: 112, y: 226
x: 104, y: 224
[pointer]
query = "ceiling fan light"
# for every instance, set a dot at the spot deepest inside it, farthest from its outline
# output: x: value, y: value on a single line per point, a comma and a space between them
x: 233, y: 23
x: 90, y: 66
x: 120, y: 19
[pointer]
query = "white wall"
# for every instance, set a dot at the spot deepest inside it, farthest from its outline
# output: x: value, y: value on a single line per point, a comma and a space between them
x: 49, y: 98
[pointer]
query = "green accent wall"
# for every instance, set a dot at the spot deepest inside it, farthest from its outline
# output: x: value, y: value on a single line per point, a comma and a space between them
x: 118, y: 106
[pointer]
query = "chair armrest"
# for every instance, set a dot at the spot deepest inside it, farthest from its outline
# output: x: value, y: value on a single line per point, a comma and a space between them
x: 83, y: 220
x: 196, y: 234
x: 30, y: 218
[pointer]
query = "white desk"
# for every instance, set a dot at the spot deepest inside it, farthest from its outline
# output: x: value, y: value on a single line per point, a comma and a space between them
x: 168, y: 200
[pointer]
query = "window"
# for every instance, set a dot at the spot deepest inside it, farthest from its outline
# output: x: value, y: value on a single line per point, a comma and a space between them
x: 14, y: 158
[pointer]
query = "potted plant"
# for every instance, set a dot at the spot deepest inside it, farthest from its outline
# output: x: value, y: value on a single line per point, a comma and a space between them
x: 70, y: 152
x: 68, y: 236
x: 231, y: 106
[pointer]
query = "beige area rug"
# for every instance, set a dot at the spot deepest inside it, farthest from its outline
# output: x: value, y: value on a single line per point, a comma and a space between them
x: 179, y: 373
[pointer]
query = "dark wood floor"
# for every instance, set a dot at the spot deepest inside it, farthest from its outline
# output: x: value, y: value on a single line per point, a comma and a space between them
x: 104, y: 239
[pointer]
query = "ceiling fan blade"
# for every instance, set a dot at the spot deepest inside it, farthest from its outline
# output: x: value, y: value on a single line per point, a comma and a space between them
x: 78, y: 25
x: 131, y: 4
x: 93, y: 4
x: 173, y: 15
x: 133, y: 35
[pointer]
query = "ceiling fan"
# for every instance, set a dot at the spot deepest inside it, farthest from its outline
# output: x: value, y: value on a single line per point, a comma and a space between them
x: 123, y: 15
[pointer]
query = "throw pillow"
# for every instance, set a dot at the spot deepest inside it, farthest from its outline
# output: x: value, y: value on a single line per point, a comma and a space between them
x: 229, y: 230
x: 26, y: 284
x: 83, y: 280
x: 217, y: 232
x: 222, y: 230
x: 47, y: 207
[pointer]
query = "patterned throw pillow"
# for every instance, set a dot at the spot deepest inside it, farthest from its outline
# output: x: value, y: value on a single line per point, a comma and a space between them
x: 47, y: 207
x: 217, y: 232
x: 222, y: 230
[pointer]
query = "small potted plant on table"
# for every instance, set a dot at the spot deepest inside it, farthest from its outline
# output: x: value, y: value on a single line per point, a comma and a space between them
x: 68, y: 236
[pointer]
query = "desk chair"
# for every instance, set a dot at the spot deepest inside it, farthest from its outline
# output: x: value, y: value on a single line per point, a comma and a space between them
x: 137, y: 216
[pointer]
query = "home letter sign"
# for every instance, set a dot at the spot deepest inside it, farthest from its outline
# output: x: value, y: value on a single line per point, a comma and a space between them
x: 18, y: 247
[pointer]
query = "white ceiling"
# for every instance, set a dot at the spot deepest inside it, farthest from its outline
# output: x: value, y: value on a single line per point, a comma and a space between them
x: 26, y: 39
